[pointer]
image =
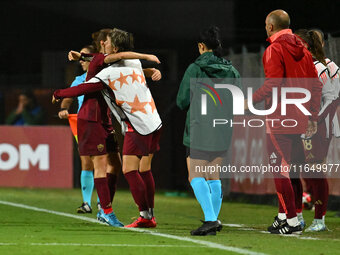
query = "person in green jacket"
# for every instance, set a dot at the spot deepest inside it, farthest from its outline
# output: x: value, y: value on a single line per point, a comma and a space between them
x: 28, y: 112
x: 207, y: 144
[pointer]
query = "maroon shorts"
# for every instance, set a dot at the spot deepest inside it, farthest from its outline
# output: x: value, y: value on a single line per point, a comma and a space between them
x: 141, y: 145
x: 316, y: 147
x: 95, y: 139
x: 285, y: 149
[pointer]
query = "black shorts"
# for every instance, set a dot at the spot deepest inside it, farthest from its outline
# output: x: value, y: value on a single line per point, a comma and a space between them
x: 205, y: 155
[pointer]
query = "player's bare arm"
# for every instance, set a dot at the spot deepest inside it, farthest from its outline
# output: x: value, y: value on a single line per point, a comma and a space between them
x: 152, y: 73
x: 64, y: 107
x: 130, y: 55
x: 74, y: 55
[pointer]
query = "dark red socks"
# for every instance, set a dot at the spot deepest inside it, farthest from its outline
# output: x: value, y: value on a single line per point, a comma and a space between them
x: 103, y: 192
x: 150, y: 187
x: 138, y: 190
x: 112, y: 182
x: 298, y: 190
x: 320, y: 193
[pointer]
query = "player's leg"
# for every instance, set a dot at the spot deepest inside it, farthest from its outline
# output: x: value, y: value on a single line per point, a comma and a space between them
x: 281, y: 218
x: 93, y: 141
x: 201, y: 188
x: 136, y: 183
x: 138, y: 191
x: 197, y: 178
x: 324, y: 198
x: 298, y: 161
x: 107, y: 215
x: 215, y: 185
x: 320, y: 187
x: 145, y: 170
x: 146, y: 174
x: 275, y: 159
x: 87, y: 184
x: 279, y: 150
x: 316, y: 150
x: 320, y: 194
x: 114, y: 165
x: 298, y: 191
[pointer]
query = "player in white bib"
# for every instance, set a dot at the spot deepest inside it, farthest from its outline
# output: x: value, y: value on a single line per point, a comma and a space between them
x: 316, y: 147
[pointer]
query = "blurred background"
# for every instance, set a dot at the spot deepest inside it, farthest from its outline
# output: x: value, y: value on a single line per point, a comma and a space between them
x: 36, y: 36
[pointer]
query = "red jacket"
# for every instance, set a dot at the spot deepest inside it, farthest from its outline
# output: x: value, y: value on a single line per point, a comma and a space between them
x: 285, y: 58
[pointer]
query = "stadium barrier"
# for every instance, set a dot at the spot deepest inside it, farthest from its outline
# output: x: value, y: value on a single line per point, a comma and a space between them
x: 36, y: 156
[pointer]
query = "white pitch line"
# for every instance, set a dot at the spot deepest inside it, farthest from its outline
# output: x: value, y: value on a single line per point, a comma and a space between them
x: 234, y: 225
x: 239, y: 227
x: 180, y: 238
x: 243, y: 227
x: 104, y: 245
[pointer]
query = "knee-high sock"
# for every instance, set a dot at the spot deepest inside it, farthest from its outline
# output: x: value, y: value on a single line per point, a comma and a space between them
x: 87, y: 184
x: 320, y: 191
x: 138, y: 190
x: 103, y: 194
x: 325, y: 197
x: 281, y: 209
x: 216, y: 195
x: 202, y: 193
x: 298, y: 190
x: 309, y: 186
x: 150, y: 187
x: 286, y: 196
x: 112, y: 182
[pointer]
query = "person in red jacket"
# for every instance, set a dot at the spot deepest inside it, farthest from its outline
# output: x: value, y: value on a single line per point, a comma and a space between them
x: 284, y: 59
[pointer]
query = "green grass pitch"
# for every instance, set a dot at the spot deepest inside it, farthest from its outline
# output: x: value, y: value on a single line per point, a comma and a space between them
x: 26, y: 231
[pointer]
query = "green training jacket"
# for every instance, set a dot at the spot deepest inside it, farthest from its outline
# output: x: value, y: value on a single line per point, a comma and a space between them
x: 199, y: 132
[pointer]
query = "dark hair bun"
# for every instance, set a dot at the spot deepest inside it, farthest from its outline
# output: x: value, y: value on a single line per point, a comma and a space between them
x: 214, y: 32
x: 212, y: 39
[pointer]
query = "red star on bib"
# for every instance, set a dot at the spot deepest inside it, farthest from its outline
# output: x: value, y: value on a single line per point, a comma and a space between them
x: 134, y: 77
x: 152, y: 104
x: 142, y: 79
x: 112, y: 84
x: 122, y: 80
x: 136, y: 105
x: 119, y: 103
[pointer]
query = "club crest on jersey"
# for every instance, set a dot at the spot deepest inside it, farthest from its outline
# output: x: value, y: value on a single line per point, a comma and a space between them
x: 100, y: 147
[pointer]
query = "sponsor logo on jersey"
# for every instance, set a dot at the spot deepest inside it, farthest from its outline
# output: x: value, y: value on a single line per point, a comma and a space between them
x: 272, y: 158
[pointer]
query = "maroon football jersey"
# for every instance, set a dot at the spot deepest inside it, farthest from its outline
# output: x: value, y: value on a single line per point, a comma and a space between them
x: 94, y: 107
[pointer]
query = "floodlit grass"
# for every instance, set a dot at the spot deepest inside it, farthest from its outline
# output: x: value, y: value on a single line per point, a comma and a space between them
x: 25, y: 231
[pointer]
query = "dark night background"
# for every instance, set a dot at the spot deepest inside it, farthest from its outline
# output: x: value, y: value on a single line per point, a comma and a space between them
x: 29, y: 28
x: 36, y: 35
